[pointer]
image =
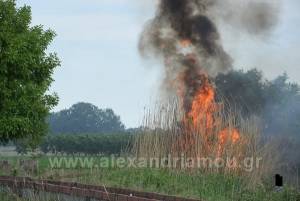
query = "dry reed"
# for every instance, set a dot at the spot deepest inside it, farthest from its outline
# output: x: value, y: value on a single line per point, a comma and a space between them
x: 164, y: 134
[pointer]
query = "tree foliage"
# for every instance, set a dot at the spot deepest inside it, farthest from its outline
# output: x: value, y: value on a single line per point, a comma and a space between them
x: 282, y: 109
x: 25, y: 74
x: 243, y: 90
x: 276, y: 101
x: 85, y: 118
x: 87, y: 144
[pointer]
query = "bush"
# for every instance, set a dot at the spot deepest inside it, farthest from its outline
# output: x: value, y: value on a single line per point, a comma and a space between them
x: 87, y: 143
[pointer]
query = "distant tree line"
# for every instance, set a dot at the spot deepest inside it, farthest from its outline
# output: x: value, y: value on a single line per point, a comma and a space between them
x: 87, y: 144
x: 85, y: 118
x: 68, y: 132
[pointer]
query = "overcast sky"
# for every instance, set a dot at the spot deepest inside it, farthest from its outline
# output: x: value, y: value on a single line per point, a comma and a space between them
x: 97, y: 44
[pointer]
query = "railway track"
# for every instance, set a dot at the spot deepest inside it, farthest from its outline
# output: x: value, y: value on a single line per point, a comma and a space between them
x: 76, y: 190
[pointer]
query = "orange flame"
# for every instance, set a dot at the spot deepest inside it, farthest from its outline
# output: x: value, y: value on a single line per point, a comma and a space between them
x: 203, y: 106
x: 227, y: 135
x: 198, y: 100
x: 202, y: 114
x: 185, y: 43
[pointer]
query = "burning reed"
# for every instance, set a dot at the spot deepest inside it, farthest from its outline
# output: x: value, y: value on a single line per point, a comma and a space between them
x: 166, y: 133
x: 192, y: 122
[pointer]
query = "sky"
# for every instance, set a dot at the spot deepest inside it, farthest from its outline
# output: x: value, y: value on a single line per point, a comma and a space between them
x: 97, y: 45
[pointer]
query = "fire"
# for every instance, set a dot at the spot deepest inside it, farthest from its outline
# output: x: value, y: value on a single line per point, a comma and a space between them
x: 227, y: 135
x: 233, y: 134
x: 203, y: 106
x: 198, y: 98
x: 201, y: 114
x: 185, y: 43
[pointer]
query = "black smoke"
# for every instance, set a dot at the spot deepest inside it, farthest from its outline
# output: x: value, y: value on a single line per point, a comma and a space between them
x: 178, y: 20
x: 196, y: 21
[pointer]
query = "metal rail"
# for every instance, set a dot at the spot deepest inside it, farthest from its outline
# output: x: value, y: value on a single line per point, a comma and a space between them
x: 83, y: 191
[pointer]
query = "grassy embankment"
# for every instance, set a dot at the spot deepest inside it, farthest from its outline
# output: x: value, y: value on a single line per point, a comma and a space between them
x: 208, y: 186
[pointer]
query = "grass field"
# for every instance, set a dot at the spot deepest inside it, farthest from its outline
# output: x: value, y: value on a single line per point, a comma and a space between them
x: 207, y: 186
x: 6, y: 197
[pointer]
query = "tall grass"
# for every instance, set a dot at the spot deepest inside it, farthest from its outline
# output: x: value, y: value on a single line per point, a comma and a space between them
x: 166, y: 133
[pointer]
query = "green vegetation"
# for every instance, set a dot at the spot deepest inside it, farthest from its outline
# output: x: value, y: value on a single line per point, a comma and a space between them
x: 207, y: 186
x: 25, y: 75
x: 4, y: 196
x: 276, y: 101
x: 87, y: 144
x: 85, y: 118
x: 210, y: 187
x: 83, y: 143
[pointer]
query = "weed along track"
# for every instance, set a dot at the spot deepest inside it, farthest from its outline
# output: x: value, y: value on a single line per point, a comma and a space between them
x: 26, y: 187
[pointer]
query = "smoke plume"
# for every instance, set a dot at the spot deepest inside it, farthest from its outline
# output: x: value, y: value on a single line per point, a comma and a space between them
x: 184, y: 34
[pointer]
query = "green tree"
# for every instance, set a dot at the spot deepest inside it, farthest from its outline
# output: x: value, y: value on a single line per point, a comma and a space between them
x: 276, y: 101
x: 243, y: 90
x: 85, y: 118
x: 282, y: 111
x: 25, y: 75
